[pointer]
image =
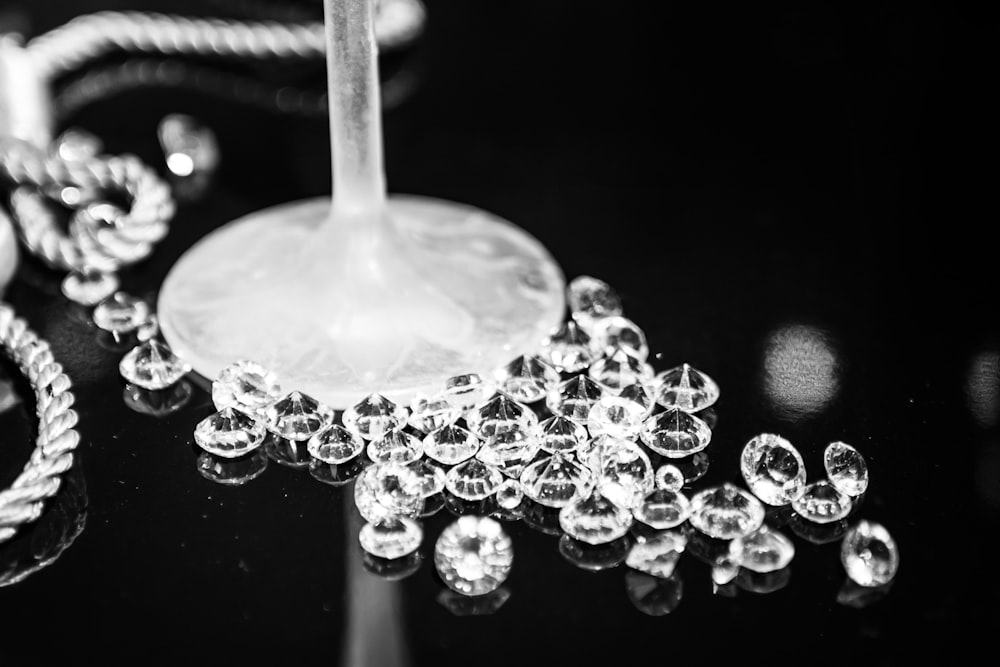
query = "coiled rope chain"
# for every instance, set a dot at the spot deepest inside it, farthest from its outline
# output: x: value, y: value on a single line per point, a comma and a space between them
x: 35, y: 173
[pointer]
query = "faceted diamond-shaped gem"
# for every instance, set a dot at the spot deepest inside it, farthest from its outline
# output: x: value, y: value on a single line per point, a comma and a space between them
x: 335, y: 445
x: 686, y: 388
x: 430, y: 414
x: 152, y: 365
x: 395, y: 447
x: 246, y: 386
x: 120, y: 313
x: 90, y: 287
x: 391, y: 538
x: 763, y: 550
x: 694, y: 467
x: 619, y: 370
x: 846, y: 468
x: 821, y: 502
x: 726, y: 512
x: 499, y: 414
x: 620, y: 333
x: 374, y: 417
x: 229, y: 434
x: 432, y: 477
x: 555, y: 481
x: 451, y: 444
x: 657, y: 555
x: 725, y: 569
x: 388, y: 489
x: 574, y: 398
x: 473, y: 555
x: 298, y: 416
x: 773, y: 469
x: 653, y: 596
x: 232, y: 472
x: 510, y: 494
x: 510, y: 451
x: 466, y: 391
x: 473, y: 480
x: 624, y: 474
x: 559, y: 434
x: 669, y: 477
x: 591, y: 299
x: 149, y: 329
x: 568, y: 349
x: 594, y: 519
x: 663, y: 509
x: 869, y: 554
x: 675, y: 434
x: 526, y: 379
x: 620, y: 415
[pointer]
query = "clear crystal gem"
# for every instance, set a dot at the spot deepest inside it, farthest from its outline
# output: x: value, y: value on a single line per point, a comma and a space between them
x: 298, y: 416
x: 675, y: 434
x: 391, y: 538
x: 232, y: 472
x: 619, y: 370
x: 430, y: 414
x: 335, y: 445
x: 763, y: 550
x: 526, y: 379
x: 686, y: 388
x: 499, y: 414
x: 620, y: 415
x: 432, y: 477
x: 620, y: 333
x: 555, y: 481
x: 574, y: 398
x: 473, y: 480
x: 559, y: 434
x: 395, y: 447
x: 473, y: 555
x: 229, y: 434
x: 624, y: 473
x: 591, y: 299
x: 148, y: 328
x: 657, y: 555
x: 724, y: 570
x: 188, y: 145
x: 869, y: 554
x: 568, y: 349
x: 663, y: 509
x: 374, y: 417
x: 822, y: 502
x: 120, y: 313
x: 466, y: 391
x: 510, y: 494
x: 726, y: 512
x: 510, y: 451
x: 388, y: 489
x: 90, y: 287
x: 76, y: 145
x: 451, y: 444
x: 653, y: 596
x: 669, y: 477
x: 152, y: 365
x: 594, y: 519
x: 694, y: 467
x: 246, y: 386
x: 846, y: 468
x: 773, y: 469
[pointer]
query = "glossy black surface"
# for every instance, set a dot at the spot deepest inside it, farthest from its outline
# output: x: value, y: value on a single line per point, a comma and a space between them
x: 791, y: 200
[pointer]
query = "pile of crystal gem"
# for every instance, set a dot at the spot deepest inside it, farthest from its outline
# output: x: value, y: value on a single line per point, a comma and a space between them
x: 586, y: 434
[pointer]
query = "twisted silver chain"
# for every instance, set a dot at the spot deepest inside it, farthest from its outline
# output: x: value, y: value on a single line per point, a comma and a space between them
x: 23, y: 501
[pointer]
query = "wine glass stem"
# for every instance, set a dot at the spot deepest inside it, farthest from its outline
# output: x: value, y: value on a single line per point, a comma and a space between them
x: 355, y: 110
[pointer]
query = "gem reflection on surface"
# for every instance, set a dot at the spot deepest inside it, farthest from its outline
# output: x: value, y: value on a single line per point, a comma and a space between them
x: 869, y: 554
x: 473, y: 555
x: 289, y: 453
x: 482, y: 605
x: 230, y: 471
x: 859, y: 597
x: 764, y: 550
x: 801, y: 371
x: 654, y: 596
x: 657, y: 555
x: 392, y: 570
x: 763, y: 583
x: 336, y: 474
x: 594, y: 557
x: 157, y: 403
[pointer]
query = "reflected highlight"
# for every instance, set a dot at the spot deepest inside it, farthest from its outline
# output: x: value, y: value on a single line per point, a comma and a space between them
x: 801, y: 371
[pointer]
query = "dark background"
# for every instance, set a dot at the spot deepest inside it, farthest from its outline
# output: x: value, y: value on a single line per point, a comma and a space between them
x: 794, y: 199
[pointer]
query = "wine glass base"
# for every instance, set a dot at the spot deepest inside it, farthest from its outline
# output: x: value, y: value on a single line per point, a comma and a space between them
x: 338, y: 311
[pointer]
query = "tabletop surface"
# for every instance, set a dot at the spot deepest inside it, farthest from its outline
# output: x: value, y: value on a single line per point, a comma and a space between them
x: 787, y: 199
